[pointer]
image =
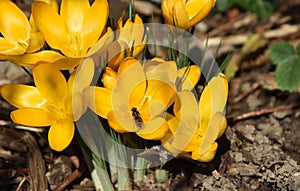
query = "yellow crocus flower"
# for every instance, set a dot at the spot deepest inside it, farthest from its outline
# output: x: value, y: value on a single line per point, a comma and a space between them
x: 185, y: 13
x: 198, y: 124
x: 138, y: 100
x: 22, y: 40
x: 75, y: 29
x: 15, y: 29
x: 54, y: 101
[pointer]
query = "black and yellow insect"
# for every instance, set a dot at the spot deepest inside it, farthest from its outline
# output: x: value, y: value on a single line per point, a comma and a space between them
x: 137, y: 118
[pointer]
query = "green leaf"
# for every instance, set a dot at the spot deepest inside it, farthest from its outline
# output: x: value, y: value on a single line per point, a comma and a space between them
x: 280, y: 52
x: 287, y: 74
x: 262, y: 8
x: 224, y: 5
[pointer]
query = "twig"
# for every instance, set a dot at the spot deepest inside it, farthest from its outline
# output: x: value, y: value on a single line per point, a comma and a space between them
x: 245, y: 94
x: 281, y: 32
x: 263, y: 112
x: 21, y: 183
x: 76, y: 174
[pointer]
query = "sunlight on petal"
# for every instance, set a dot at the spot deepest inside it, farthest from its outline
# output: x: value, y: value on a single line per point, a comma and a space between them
x: 22, y: 96
x: 198, y: 10
x: 181, y: 19
x: 33, y: 117
x: 14, y: 25
x: 31, y: 59
x: 73, y: 13
x: 94, y: 23
x: 45, y: 18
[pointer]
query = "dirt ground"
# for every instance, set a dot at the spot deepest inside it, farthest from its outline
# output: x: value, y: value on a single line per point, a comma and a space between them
x: 259, y: 151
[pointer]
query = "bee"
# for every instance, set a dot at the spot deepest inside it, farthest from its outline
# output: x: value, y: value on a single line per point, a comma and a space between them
x: 137, y: 118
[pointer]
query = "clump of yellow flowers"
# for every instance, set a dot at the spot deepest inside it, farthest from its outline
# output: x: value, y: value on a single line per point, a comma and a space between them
x: 150, y: 98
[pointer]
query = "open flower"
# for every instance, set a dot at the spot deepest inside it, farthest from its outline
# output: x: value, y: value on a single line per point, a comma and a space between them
x: 53, y: 102
x: 75, y: 29
x: 16, y: 31
x: 185, y: 13
x: 135, y: 103
x: 197, y: 125
x: 22, y: 40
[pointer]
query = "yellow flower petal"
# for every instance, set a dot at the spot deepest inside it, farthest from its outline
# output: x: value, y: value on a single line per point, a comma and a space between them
x: 66, y: 63
x: 52, y: 3
x: 102, y: 44
x: 31, y: 59
x: 94, y: 23
x: 10, y: 47
x: 161, y: 70
x: 132, y: 32
x: 109, y: 78
x: 51, y: 83
x: 154, y: 129
x: 159, y: 97
x: 167, y: 143
x: 207, y: 156
x: 198, y: 10
x: 79, y: 106
x: 223, y: 125
x: 22, y: 96
x: 181, y: 19
x: 115, y: 54
x: 181, y: 137
x: 99, y: 100
x: 14, y: 25
x: 187, y: 111
x: 121, y: 121
x: 167, y: 11
x: 130, y: 75
x: 73, y: 12
x: 188, y: 77
x: 33, y: 117
x: 57, y: 37
x: 215, y: 126
x: 61, y: 134
x: 82, y: 76
x: 36, y: 42
x: 212, y: 100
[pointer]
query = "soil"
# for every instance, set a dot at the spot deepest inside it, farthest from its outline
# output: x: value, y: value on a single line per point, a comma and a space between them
x: 259, y: 151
